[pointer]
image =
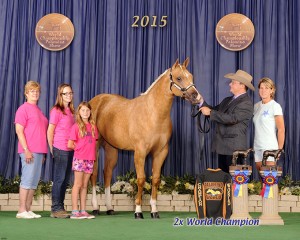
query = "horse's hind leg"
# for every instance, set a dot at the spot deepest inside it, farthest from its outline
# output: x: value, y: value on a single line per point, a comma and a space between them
x: 111, y: 157
x: 158, y: 160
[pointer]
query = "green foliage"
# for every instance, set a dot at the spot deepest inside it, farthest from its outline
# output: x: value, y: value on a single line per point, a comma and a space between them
x: 254, y: 187
x: 127, y: 184
x: 9, y: 185
x: 289, y: 187
x: 43, y: 188
x: 285, y: 181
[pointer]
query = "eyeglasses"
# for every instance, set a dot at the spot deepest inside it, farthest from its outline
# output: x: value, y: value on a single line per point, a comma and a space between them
x: 67, y: 94
x: 34, y: 91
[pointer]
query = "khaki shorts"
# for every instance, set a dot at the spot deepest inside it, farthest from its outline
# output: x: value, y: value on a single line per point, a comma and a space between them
x: 258, y: 156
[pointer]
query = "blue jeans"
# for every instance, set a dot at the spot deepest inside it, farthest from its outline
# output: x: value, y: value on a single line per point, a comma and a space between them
x: 61, y: 175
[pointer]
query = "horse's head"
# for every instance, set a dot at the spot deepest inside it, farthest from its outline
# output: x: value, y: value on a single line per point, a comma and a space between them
x: 182, y: 83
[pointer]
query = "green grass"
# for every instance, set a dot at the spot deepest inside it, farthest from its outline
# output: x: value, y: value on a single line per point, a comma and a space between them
x: 123, y: 226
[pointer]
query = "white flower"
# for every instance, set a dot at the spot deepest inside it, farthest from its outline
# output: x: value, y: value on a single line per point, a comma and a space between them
x: 147, y: 186
x: 132, y: 181
x: 162, y: 182
x: 189, y: 186
x: 177, y: 183
x: 117, y: 186
x: 286, y: 191
x: 251, y: 186
x: 174, y: 193
x: 127, y: 188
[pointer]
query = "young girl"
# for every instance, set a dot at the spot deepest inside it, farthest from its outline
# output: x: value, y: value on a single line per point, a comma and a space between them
x: 82, y: 139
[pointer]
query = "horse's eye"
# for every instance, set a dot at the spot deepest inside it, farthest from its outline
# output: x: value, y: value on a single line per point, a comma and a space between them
x: 179, y: 79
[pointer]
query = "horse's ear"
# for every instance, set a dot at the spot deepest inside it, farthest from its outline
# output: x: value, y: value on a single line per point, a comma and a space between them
x: 186, y: 62
x: 175, y: 64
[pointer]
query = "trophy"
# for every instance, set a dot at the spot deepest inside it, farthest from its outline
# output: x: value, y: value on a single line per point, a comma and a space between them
x: 240, y: 175
x: 269, y: 193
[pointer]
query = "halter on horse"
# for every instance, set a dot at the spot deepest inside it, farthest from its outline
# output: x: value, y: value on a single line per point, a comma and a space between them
x: 142, y: 125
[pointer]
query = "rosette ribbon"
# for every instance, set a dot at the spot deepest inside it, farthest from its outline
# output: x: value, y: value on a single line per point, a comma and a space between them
x: 268, y: 181
x: 239, y: 178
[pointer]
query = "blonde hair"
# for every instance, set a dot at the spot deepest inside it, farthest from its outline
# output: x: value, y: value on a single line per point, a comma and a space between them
x: 269, y: 83
x: 59, y: 100
x: 31, y: 85
x: 80, y: 122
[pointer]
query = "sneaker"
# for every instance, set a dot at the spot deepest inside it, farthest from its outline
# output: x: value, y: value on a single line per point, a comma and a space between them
x: 34, y: 215
x: 60, y: 214
x: 77, y: 215
x: 24, y: 215
x: 88, y: 216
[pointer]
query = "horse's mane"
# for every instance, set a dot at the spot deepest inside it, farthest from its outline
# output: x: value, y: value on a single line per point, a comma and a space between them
x: 152, y: 85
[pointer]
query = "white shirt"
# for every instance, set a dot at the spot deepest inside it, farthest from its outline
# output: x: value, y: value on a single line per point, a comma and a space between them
x: 265, y: 126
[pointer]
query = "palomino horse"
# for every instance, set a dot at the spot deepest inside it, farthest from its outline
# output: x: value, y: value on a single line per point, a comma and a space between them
x: 142, y: 125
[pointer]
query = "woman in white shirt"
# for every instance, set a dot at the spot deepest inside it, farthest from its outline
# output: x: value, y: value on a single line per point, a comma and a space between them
x: 268, y: 122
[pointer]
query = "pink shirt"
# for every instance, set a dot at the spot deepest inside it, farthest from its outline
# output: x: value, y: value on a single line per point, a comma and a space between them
x: 85, y: 148
x: 35, y: 125
x: 63, y: 124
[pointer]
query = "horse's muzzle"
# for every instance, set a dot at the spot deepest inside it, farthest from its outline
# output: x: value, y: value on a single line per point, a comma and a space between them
x: 193, y: 96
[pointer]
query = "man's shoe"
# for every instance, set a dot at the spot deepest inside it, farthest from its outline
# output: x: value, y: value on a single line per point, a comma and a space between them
x: 59, y: 214
x: 24, y: 215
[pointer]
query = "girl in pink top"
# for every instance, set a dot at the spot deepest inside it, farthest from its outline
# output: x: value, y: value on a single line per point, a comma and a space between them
x: 60, y: 124
x: 83, y: 138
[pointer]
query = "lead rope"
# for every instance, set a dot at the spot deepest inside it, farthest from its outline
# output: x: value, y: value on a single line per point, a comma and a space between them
x: 206, y: 122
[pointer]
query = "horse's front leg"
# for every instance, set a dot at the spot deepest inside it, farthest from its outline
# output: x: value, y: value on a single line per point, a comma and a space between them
x: 139, y: 162
x: 110, y: 161
x: 94, y: 192
x: 94, y: 182
x: 158, y: 160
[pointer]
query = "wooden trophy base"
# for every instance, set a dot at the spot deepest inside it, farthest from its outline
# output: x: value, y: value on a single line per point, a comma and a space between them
x: 240, y: 204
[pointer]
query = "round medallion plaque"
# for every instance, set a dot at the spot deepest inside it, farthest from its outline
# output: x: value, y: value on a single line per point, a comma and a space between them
x: 54, y: 32
x: 235, y: 32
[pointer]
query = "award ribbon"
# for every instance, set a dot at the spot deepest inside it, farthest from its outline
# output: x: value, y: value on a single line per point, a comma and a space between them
x: 269, y: 180
x: 239, y: 178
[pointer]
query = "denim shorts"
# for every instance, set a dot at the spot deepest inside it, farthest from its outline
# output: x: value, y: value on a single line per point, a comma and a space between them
x: 31, y: 172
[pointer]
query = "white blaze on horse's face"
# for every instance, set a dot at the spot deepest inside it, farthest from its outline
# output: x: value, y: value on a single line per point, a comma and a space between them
x: 182, y: 80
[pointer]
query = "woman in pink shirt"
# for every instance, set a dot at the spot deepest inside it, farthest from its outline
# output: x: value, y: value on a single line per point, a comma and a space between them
x: 61, y: 121
x: 31, y: 127
x: 83, y: 138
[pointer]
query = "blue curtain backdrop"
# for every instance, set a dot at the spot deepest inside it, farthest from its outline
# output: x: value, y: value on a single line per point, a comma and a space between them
x: 107, y: 55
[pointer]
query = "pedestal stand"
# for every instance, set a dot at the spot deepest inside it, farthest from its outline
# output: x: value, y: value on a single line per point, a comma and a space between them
x: 270, y: 214
x: 240, y: 203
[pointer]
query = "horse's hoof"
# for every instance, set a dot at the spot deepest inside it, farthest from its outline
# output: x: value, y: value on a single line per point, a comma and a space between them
x: 96, y: 212
x: 110, y: 212
x: 154, y: 215
x: 138, y: 215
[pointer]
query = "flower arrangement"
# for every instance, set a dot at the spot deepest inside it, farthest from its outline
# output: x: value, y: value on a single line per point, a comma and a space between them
x: 127, y: 184
x: 289, y: 187
x: 13, y: 185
